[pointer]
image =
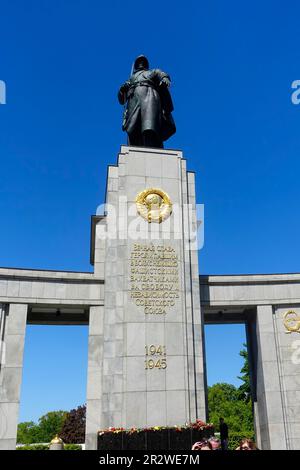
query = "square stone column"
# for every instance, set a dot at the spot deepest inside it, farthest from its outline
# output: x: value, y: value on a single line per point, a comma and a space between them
x: 3, y: 309
x: 94, y: 377
x: 287, y: 328
x: 269, y: 408
x: 13, y: 326
x: 152, y: 357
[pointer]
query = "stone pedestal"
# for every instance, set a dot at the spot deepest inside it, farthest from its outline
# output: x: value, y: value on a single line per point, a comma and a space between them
x: 150, y: 352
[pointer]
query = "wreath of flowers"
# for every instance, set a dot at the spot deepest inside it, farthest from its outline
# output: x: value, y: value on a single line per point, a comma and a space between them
x: 198, y: 425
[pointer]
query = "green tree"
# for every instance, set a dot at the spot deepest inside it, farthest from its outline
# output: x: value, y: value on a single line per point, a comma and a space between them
x: 245, y: 388
x: 224, y: 401
x: 28, y: 433
x: 73, y: 430
x: 51, y: 424
x: 233, y: 403
x: 48, y: 426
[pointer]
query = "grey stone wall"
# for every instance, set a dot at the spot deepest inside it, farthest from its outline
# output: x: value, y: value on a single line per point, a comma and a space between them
x: 94, y: 378
x: 277, y: 351
x: 277, y: 409
x: 2, y: 326
x: 39, y: 290
x: 270, y: 410
x: 50, y: 287
x: 132, y: 395
x: 249, y: 289
x: 11, y: 373
x: 288, y: 365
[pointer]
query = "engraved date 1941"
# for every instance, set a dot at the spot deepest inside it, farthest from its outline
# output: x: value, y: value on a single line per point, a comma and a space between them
x: 155, y: 357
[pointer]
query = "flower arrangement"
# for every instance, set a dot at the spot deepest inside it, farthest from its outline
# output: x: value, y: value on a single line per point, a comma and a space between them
x: 179, y: 437
x: 198, y: 425
x: 201, y: 425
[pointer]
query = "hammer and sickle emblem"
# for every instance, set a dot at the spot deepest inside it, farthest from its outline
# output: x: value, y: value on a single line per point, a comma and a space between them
x: 154, y: 205
x: 291, y: 321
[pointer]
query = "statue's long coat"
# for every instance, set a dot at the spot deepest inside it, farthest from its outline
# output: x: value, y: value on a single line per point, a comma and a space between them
x: 149, y: 106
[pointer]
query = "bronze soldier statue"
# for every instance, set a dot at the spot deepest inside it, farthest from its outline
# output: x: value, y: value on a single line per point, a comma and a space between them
x: 147, y: 118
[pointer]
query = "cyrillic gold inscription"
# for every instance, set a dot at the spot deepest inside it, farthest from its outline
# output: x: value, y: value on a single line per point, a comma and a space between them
x: 154, y: 277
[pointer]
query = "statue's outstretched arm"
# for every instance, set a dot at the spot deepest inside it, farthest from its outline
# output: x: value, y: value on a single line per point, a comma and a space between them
x: 122, y: 94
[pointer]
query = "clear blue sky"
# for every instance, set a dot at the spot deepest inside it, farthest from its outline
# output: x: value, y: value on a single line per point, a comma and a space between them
x: 232, y: 65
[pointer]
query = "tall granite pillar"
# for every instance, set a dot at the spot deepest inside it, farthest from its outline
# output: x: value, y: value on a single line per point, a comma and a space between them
x: 2, y: 325
x: 12, y: 327
x: 269, y: 407
x: 287, y: 327
x: 94, y: 377
x: 151, y: 364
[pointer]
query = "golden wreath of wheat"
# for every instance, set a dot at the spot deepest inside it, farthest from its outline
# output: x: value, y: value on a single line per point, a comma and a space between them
x: 154, y: 205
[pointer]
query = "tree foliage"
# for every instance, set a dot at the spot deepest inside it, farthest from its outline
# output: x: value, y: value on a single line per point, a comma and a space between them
x: 70, y: 426
x: 233, y: 403
x: 245, y: 388
x: 51, y: 424
x: 48, y: 426
x: 28, y: 433
x: 236, y: 412
x: 73, y: 430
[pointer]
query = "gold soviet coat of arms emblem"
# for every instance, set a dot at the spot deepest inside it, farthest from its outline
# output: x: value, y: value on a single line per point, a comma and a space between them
x: 154, y: 205
x: 291, y: 321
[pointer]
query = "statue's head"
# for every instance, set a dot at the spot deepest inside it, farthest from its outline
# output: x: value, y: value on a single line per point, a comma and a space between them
x: 141, y: 63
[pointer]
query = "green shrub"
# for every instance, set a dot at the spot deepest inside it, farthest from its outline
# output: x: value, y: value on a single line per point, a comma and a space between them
x: 73, y: 447
x: 34, y: 447
x: 46, y: 447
